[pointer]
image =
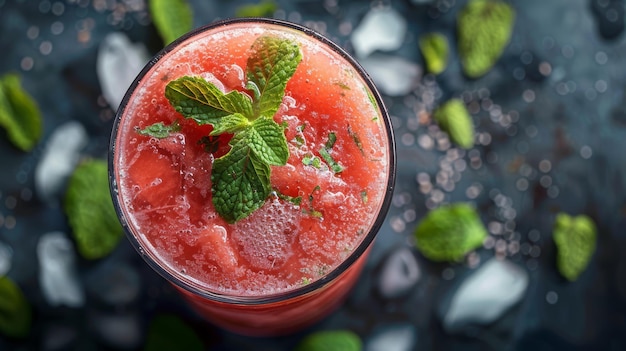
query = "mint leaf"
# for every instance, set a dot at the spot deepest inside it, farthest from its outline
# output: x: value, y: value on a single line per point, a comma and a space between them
x: 172, y: 18
x: 449, y: 232
x: 484, y: 29
x: 334, y: 340
x: 575, y: 240
x: 19, y: 114
x: 241, y: 178
x: 262, y: 9
x: 90, y: 210
x: 15, y: 311
x: 160, y: 130
x: 326, y: 156
x: 196, y: 98
x: 270, y: 66
x: 454, y: 119
x: 434, y: 47
x: 241, y: 183
x: 169, y: 332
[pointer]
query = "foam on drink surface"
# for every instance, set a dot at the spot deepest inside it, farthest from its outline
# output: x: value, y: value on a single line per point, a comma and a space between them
x: 166, y: 184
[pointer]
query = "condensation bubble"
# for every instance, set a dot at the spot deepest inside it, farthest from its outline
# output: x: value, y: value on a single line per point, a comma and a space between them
x: 553, y: 191
x: 32, y: 32
x: 45, y: 47
x: 545, y: 166
x: 408, y: 139
x: 528, y: 95
x: 552, y: 297
x: 532, y: 131
x: 545, y: 181
x: 426, y: 142
x: 447, y: 274
x: 534, y: 235
x: 586, y: 152
x: 526, y: 57
x: 27, y: 63
x: 545, y: 68
x: 58, y: 8
x: 57, y: 28
x: 601, y: 57
x: 522, y: 184
x: 601, y: 86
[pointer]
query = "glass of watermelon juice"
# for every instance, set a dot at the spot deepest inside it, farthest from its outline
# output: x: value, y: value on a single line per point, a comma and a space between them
x: 252, y: 163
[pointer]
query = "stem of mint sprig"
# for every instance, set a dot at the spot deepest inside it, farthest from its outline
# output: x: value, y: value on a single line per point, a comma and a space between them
x: 241, y: 178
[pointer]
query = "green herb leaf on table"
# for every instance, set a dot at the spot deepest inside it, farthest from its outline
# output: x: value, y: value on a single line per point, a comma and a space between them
x: 484, y: 29
x: 19, y: 114
x: 332, y: 340
x: 90, y: 212
x: 241, y: 178
x: 449, y: 232
x: 172, y: 18
x: 262, y: 9
x: 160, y: 130
x: 15, y: 311
x: 575, y: 240
x: 434, y: 47
x: 454, y: 119
x: 169, y: 332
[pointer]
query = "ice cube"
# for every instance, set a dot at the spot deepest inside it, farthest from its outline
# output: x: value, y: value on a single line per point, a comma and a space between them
x: 57, y: 271
x: 59, y: 159
x: 486, y: 295
x: 399, y: 273
x: 392, y: 338
x: 382, y: 28
x: 6, y: 254
x: 118, y: 63
x: 393, y: 75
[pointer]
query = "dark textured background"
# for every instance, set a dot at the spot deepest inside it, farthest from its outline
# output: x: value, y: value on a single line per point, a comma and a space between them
x: 572, y: 115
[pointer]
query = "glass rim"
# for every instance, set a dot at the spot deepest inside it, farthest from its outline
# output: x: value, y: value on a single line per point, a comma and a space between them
x: 317, y: 284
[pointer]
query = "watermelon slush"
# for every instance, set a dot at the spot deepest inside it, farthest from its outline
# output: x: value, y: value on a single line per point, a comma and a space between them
x: 292, y: 261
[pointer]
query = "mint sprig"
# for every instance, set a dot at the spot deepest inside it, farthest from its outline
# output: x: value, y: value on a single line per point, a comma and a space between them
x: 241, y: 178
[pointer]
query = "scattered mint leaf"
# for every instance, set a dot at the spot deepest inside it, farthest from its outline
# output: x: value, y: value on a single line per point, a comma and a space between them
x: 90, y: 210
x: 15, y: 311
x: 434, y: 47
x: 19, y: 114
x: 160, y: 130
x: 262, y: 9
x: 449, y: 232
x: 484, y: 29
x: 454, y: 119
x: 172, y: 18
x: 332, y: 340
x: 169, y: 332
x: 575, y: 239
x: 241, y: 178
x: 270, y: 66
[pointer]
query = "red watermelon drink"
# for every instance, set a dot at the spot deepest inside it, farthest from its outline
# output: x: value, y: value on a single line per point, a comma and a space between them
x: 252, y: 165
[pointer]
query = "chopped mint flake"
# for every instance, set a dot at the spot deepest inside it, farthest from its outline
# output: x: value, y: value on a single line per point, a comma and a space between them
x: 484, y: 29
x: 364, y: 196
x: 15, y: 311
x: 294, y: 200
x: 160, y: 130
x: 172, y: 18
x: 19, y: 114
x: 454, y: 119
x: 90, y: 210
x: 241, y: 178
x: 262, y: 9
x: 356, y: 139
x: 312, y: 160
x: 332, y: 340
x: 575, y: 239
x: 434, y: 47
x: 169, y: 332
x: 449, y: 232
x: 332, y: 138
x: 334, y: 166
